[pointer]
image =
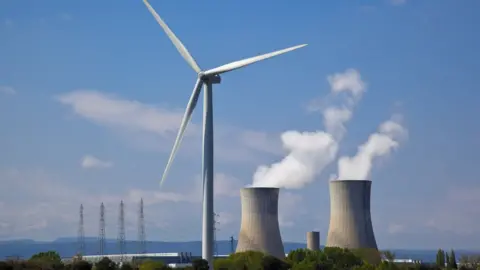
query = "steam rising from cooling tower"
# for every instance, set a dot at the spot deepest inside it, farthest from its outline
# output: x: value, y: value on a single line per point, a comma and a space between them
x: 310, y: 152
x: 379, y: 144
x: 350, y: 218
x: 259, y: 230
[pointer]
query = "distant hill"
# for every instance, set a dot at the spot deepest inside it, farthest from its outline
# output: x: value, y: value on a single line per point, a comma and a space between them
x: 67, y: 247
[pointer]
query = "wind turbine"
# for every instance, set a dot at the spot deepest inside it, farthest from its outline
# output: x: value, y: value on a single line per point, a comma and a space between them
x: 206, y: 78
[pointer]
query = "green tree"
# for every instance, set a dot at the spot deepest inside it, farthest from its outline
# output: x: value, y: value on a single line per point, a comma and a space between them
x: 440, y: 258
x: 152, y: 265
x: 81, y: 265
x: 105, y: 264
x: 306, y: 265
x: 200, y: 264
x: 301, y: 255
x: 221, y: 264
x: 247, y: 260
x: 453, y: 260
x: 389, y: 256
x: 49, y: 259
x: 342, y: 258
x: 273, y: 263
x: 49, y: 256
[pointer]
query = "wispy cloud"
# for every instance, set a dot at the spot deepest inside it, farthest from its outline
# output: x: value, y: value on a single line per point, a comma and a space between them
x: 462, y: 217
x: 7, y: 90
x: 51, y: 209
x: 154, y: 127
x: 109, y: 110
x: 92, y: 162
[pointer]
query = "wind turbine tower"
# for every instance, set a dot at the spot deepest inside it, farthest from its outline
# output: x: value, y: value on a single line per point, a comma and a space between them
x: 207, y: 79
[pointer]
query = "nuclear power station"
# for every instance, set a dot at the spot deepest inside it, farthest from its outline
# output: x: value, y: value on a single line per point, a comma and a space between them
x: 350, y: 219
x: 259, y: 229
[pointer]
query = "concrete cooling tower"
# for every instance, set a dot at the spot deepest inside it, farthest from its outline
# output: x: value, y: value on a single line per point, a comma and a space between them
x: 259, y: 230
x: 313, y: 240
x: 350, y: 219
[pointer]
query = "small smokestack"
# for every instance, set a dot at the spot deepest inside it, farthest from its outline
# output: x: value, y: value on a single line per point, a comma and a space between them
x: 313, y: 240
x: 259, y: 230
x: 350, y: 219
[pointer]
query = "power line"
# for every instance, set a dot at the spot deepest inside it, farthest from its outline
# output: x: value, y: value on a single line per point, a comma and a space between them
x: 81, y: 234
x: 141, y: 230
x: 121, y: 231
x: 102, y: 230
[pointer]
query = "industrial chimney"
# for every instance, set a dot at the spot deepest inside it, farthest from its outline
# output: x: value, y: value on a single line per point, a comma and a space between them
x: 313, y: 240
x: 259, y: 230
x: 350, y: 219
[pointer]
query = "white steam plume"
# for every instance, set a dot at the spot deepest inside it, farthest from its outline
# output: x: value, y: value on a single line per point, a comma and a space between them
x: 310, y: 152
x: 379, y: 144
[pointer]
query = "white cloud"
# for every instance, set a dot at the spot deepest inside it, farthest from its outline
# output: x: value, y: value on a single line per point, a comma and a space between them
x: 154, y: 128
x: 349, y: 81
x: 7, y: 90
x: 109, y: 110
x: 92, y: 162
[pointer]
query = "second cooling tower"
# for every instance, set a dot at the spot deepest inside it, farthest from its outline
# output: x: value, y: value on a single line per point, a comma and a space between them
x: 350, y: 219
x: 259, y: 230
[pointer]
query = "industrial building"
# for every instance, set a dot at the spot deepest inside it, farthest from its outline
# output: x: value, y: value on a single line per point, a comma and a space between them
x: 313, y: 240
x: 176, y: 259
x: 350, y: 218
x: 259, y: 229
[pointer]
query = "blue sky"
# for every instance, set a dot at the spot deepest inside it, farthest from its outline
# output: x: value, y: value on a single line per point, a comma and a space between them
x: 93, y: 78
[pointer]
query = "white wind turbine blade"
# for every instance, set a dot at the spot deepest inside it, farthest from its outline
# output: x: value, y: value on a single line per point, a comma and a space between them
x: 181, y: 131
x: 178, y: 44
x: 249, y: 61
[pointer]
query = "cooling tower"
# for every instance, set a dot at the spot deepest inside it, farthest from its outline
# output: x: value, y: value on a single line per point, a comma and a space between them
x: 259, y: 230
x: 350, y: 219
x: 313, y: 240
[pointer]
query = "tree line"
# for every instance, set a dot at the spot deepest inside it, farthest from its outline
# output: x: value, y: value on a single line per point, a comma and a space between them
x: 329, y: 258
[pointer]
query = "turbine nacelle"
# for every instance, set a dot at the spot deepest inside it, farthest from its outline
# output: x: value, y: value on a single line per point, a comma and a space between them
x: 211, y: 79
